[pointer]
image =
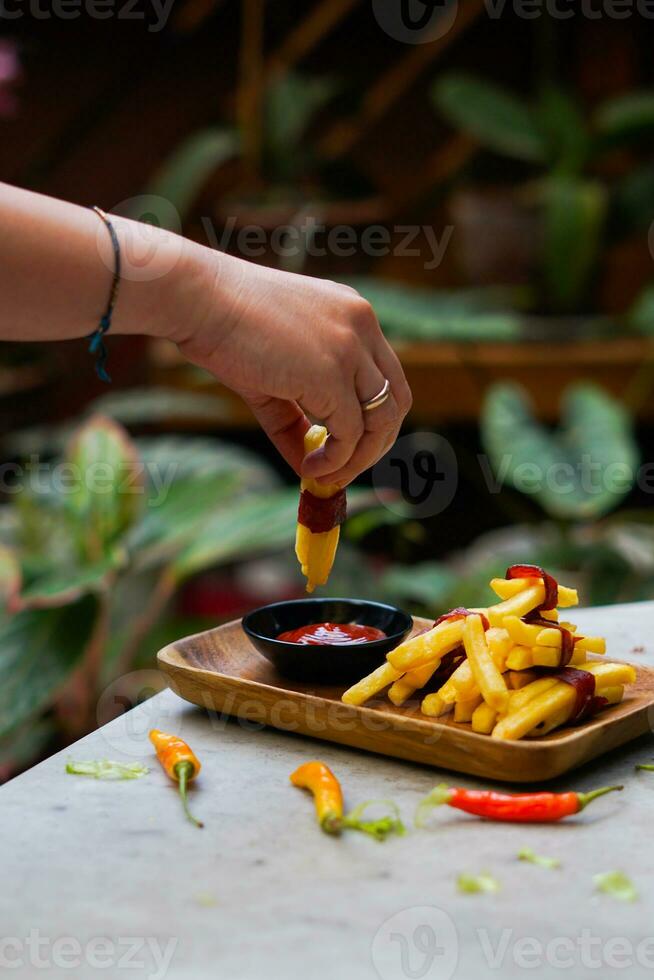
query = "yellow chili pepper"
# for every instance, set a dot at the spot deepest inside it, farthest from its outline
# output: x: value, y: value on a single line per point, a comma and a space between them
x: 327, y: 795
x: 179, y: 762
x: 328, y: 800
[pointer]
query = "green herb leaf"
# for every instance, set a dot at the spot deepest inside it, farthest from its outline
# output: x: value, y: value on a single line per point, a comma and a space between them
x: 645, y: 766
x: 617, y: 884
x: 380, y: 828
x: 526, y: 854
x: 473, y: 884
x: 106, y: 769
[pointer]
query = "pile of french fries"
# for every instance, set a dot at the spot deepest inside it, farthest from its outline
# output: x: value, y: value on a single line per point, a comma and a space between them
x: 499, y: 686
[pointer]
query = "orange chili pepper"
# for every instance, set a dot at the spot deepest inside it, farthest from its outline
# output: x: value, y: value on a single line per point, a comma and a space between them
x: 179, y: 762
x: 328, y: 799
x: 327, y: 795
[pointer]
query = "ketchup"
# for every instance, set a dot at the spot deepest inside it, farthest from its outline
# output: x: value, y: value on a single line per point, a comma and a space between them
x: 332, y: 633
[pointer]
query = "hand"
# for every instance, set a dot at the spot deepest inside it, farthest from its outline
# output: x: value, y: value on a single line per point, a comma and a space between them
x: 293, y: 346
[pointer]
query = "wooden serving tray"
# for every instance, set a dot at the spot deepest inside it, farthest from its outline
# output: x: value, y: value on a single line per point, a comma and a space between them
x: 221, y: 671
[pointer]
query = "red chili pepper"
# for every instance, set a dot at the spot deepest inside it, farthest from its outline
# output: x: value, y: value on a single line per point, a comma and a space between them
x: 535, y: 571
x: 460, y: 613
x: 514, y: 808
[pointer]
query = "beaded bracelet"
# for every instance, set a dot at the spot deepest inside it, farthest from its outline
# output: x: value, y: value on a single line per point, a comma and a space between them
x: 96, y: 345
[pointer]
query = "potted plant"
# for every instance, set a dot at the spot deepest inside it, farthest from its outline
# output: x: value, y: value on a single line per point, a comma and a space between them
x: 574, y: 184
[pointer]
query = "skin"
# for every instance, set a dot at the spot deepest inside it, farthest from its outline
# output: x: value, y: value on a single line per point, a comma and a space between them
x: 291, y: 346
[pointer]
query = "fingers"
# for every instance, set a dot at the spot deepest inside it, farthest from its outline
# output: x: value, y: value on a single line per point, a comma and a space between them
x: 379, y: 429
x: 366, y: 436
x: 381, y: 426
x: 345, y: 426
x: 284, y: 423
x: 389, y: 364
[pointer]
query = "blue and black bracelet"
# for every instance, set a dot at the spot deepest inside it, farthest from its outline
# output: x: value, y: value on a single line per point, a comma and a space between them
x: 96, y: 339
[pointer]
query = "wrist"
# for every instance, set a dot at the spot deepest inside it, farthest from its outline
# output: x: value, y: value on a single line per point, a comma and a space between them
x: 163, y: 281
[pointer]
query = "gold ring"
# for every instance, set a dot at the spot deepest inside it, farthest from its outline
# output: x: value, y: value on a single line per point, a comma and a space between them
x: 379, y: 398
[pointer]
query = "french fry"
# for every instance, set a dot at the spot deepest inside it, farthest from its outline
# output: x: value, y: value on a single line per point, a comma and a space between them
x: 518, y: 605
x: 555, y: 721
x: 546, y: 656
x: 484, y: 670
x: 517, y: 679
x: 613, y: 694
x: 463, y: 680
x: 483, y: 719
x: 517, y: 699
x: 520, y: 658
x: 507, y: 588
x: 434, y: 706
x: 524, y: 634
x: 499, y: 644
x: 591, y: 644
x: 516, y: 724
x: 368, y: 686
x: 556, y: 699
x: 548, y: 637
x: 610, y: 674
x: 567, y: 597
x: 411, y: 682
x: 498, y: 687
x: 464, y: 710
x: 429, y: 647
x: 316, y: 552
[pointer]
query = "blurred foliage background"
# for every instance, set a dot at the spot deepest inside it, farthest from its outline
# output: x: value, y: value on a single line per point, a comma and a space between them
x: 496, y: 187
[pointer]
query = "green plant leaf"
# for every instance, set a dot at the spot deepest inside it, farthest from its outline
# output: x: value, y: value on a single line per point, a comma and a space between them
x: 573, y: 223
x: 178, y: 519
x: 107, y: 769
x: 564, y: 126
x: 415, y: 313
x: 252, y: 526
x: 617, y: 884
x: 196, y: 478
x: 632, y: 202
x: 289, y: 104
x: 139, y: 406
x: 10, y: 577
x: 180, y: 178
x: 64, y: 585
x: 483, y: 883
x: 24, y: 746
x: 39, y: 650
x: 493, y: 116
x: 527, y: 854
x: 626, y: 118
x: 244, y: 528
x: 429, y: 583
x: 580, y: 471
x: 641, y: 314
x: 108, y: 484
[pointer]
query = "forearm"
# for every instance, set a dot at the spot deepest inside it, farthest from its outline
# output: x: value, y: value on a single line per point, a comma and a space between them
x: 56, y: 267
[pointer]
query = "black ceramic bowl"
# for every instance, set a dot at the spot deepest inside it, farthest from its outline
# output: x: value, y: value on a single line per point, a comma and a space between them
x: 325, y: 663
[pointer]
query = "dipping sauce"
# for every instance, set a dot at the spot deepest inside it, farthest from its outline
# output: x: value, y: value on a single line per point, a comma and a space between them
x: 332, y: 633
